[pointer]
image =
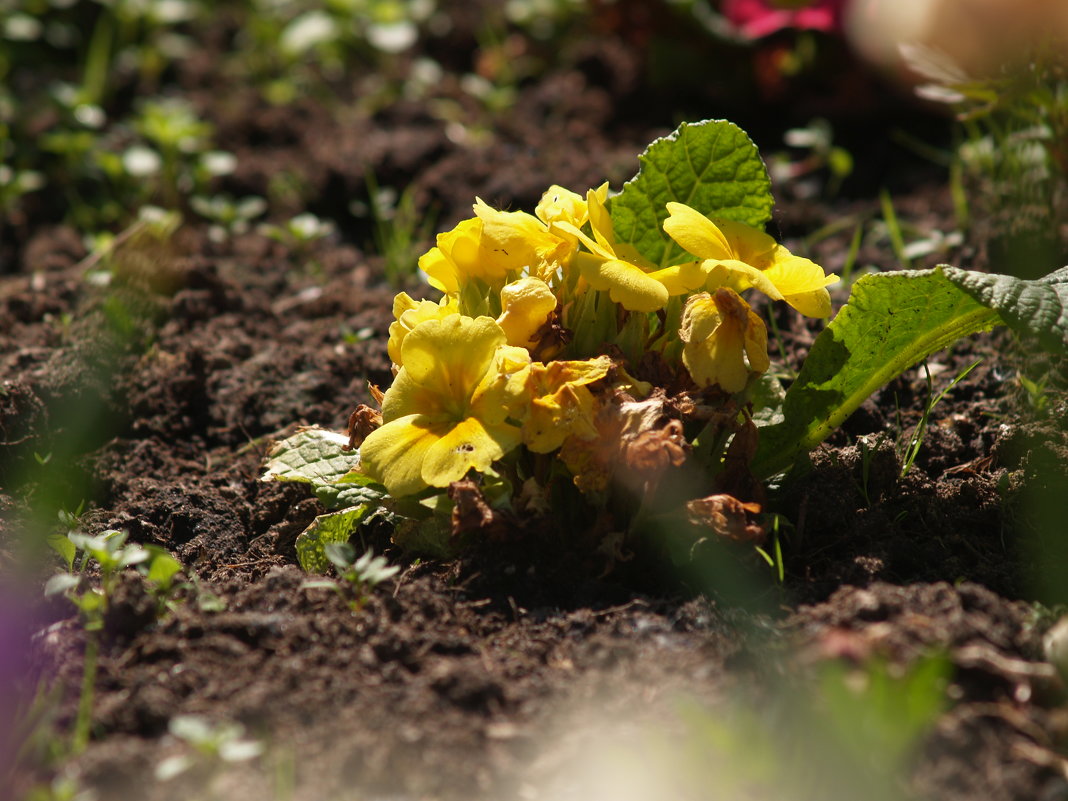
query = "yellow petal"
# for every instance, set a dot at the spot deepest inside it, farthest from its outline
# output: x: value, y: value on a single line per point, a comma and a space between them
x: 801, y: 283
x: 716, y: 331
x: 558, y: 204
x: 460, y: 245
x: 552, y: 419
x: 528, y: 304
x: 407, y: 397
x: 441, y: 273
x: 393, y: 454
x: 747, y: 243
x: 739, y: 276
x: 600, y: 220
x: 681, y: 278
x: 451, y: 356
x: 594, y: 246
x: 503, y: 388
x: 409, y: 314
x: 468, y: 445
x: 514, y: 240
x: 756, y: 344
x: 402, y: 303
x: 626, y: 284
x: 695, y: 233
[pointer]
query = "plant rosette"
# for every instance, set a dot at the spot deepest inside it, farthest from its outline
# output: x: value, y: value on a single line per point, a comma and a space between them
x: 602, y: 353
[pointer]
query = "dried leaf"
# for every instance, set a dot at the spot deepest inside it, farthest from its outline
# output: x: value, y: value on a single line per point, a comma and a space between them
x: 362, y: 422
x: 727, y: 517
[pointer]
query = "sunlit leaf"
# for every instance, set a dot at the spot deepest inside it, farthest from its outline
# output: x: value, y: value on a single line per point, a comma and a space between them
x: 325, y: 529
x: 892, y: 321
x: 712, y: 166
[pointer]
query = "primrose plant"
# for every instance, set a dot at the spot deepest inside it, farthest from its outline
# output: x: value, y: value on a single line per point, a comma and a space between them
x: 602, y: 358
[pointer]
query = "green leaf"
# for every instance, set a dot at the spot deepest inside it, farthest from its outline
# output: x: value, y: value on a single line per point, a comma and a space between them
x: 1038, y: 308
x: 312, y: 455
x: 767, y: 395
x: 712, y: 166
x: 333, y: 527
x: 61, y: 544
x: 342, y: 496
x: 61, y: 583
x: 163, y: 567
x: 892, y: 321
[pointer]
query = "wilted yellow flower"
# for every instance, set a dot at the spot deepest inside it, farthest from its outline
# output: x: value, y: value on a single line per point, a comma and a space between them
x: 527, y: 303
x: 560, y: 402
x: 739, y: 256
x: 720, y: 331
x: 447, y: 410
x: 630, y: 279
x: 409, y: 313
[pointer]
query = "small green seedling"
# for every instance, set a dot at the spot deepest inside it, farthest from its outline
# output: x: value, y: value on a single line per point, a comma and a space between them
x: 299, y: 232
x: 1037, y: 393
x: 212, y: 743
x: 400, y: 231
x: 230, y: 216
x: 916, y: 441
x: 362, y: 575
x: 109, y: 550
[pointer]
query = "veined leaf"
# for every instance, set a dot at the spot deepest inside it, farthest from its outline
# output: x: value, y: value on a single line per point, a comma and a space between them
x: 892, y: 321
x: 333, y: 527
x: 712, y: 166
x: 312, y: 455
x: 1038, y: 308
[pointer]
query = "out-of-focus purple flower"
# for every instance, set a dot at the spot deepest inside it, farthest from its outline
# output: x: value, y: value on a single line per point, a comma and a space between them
x: 17, y: 621
x: 755, y: 19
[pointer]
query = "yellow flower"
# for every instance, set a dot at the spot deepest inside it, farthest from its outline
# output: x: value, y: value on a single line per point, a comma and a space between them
x: 618, y: 268
x: 563, y: 205
x: 528, y: 304
x: 447, y: 410
x: 409, y: 313
x: 720, y: 331
x: 740, y: 256
x: 456, y: 257
x: 492, y: 246
x: 518, y: 240
x: 560, y: 402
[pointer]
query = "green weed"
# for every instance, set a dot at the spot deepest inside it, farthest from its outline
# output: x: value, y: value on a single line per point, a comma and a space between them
x: 360, y: 575
x: 912, y: 448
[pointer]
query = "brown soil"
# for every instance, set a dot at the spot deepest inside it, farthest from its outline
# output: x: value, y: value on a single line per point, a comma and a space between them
x: 494, y: 676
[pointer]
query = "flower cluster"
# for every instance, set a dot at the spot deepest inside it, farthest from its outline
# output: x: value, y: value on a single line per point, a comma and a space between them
x: 546, y: 327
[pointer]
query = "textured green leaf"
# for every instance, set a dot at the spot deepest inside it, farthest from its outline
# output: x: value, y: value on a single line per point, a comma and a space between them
x: 892, y: 321
x: 1038, y: 308
x: 342, y: 496
x: 712, y: 166
x: 312, y: 455
x: 333, y: 527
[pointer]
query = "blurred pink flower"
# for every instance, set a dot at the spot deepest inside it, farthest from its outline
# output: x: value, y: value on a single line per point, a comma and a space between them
x: 758, y: 18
